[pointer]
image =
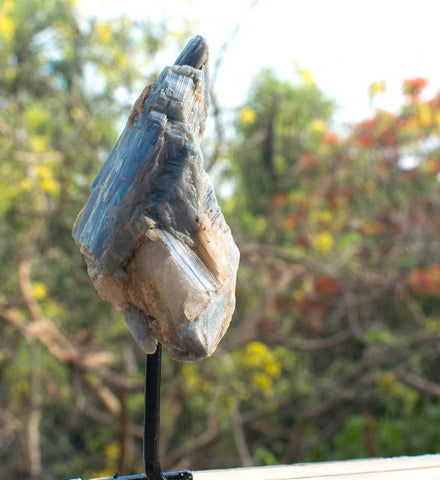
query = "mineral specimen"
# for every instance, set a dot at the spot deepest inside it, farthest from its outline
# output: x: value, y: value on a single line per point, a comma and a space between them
x: 155, y: 241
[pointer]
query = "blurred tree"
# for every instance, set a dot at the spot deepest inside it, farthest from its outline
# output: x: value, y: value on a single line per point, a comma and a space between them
x: 339, y: 286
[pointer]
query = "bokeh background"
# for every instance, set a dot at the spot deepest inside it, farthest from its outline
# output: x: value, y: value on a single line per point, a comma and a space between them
x: 323, y: 143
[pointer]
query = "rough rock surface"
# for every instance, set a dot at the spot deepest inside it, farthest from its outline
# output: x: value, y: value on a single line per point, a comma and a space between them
x: 155, y: 241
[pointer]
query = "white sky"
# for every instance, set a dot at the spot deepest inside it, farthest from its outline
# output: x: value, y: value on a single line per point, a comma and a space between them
x: 345, y: 44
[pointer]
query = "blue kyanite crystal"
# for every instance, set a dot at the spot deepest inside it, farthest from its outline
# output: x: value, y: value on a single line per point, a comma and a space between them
x: 154, y: 238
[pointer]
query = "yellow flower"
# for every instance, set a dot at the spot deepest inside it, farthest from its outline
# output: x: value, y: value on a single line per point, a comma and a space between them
x: 248, y: 116
x: 318, y: 126
x: 104, y: 31
x: 273, y: 368
x: 425, y: 115
x: 39, y: 143
x: 324, y: 241
x: 8, y: 5
x: 123, y: 61
x: 7, y: 26
x: 36, y: 116
x: 39, y: 290
x: 47, y: 181
x: 50, y: 186
x: 306, y: 77
x: 25, y: 184
x: 322, y: 216
x: 376, y: 88
x: 263, y: 382
x: 256, y: 348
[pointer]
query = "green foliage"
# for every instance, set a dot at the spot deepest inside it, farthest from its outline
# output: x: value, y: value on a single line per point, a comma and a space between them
x: 332, y: 352
x: 345, y: 266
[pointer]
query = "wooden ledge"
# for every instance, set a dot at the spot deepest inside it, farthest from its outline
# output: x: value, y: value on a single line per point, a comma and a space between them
x: 424, y: 467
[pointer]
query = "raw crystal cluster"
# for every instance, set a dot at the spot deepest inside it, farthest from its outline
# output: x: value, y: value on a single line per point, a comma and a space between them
x: 153, y: 236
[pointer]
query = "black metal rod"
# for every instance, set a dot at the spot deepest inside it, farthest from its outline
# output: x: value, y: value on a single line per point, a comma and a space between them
x: 151, y: 426
x: 152, y: 415
x: 153, y: 365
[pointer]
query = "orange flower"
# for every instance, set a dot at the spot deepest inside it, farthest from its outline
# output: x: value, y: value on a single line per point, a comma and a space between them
x: 330, y: 138
x: 326, y: 285
x: 413, y: 86
x: 426, y: 281
x: 364, y: 140
x: 307, y: 160
x: 364, y: 133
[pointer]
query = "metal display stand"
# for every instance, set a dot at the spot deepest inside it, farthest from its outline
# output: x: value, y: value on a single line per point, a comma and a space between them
x: 152, y: 423
x: 151, y: 426
x: 129, y: 197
